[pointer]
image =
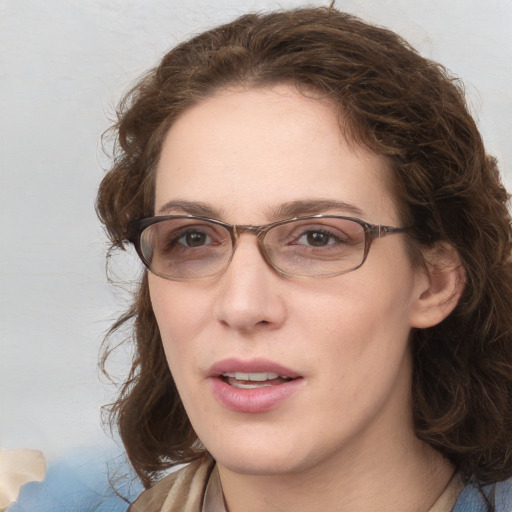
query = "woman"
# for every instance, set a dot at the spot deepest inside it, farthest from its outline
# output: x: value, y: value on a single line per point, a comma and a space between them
x: 325, y: 321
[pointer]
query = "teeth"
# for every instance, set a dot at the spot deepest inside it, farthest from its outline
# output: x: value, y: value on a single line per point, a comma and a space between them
x: 256, y: 377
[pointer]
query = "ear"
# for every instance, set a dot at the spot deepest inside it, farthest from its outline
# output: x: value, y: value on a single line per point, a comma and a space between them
x: 439, y: 286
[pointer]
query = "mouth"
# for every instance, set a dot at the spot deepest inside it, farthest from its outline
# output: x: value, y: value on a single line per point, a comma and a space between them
x: 244, y: 380
x: 254, y: 386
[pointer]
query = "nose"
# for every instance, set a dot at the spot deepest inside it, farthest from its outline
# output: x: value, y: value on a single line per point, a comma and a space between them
x: 249, y: 297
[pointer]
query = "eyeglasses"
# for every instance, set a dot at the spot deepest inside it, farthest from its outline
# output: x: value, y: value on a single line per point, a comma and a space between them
x: 187, y: 247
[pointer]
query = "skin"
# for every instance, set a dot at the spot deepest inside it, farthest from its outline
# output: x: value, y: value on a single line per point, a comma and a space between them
x: 345, y: 438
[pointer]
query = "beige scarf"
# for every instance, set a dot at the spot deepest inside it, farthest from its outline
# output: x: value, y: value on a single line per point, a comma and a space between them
x: 181, y: 491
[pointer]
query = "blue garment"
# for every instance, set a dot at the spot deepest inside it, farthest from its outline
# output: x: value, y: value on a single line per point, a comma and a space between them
x: 471, y: 499
x: 81, y: 482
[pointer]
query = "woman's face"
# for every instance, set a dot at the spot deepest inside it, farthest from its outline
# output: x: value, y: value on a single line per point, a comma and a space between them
x: 245, y: 156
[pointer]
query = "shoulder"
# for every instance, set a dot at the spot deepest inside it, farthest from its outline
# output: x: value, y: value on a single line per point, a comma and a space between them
x: 471, y: 499
x: 503, y: 496
x: 180, y: 491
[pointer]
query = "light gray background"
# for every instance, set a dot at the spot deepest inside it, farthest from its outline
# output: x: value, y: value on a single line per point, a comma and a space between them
x: 63, y: 65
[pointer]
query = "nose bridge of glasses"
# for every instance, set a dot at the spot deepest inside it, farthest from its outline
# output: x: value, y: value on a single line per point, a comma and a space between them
x: 257, y: 231
x: 240, y: 229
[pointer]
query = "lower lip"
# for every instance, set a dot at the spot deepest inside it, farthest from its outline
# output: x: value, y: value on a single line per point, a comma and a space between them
x: 255, y: 400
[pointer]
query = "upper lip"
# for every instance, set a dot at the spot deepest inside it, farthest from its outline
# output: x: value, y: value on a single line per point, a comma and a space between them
x: 250, y: 366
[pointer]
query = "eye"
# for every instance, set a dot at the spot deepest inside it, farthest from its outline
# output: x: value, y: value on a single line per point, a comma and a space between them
x: 319, y: 238
x: 193, y: 239
x: 182, y: 237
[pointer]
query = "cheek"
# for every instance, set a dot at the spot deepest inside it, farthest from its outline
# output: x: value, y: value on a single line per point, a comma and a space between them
x: 363, y: 327
x: 353, y: 305
x: 177, y: 315
x: 359, y: 348
x: 180, y: 309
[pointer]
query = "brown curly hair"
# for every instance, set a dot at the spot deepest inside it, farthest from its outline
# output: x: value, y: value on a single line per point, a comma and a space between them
x: 397, y: 104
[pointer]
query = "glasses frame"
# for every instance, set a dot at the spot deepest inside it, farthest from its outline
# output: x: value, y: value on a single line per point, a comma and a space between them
x: 135, y: 228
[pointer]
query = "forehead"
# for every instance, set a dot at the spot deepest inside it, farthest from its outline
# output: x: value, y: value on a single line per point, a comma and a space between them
x: 249, y: 151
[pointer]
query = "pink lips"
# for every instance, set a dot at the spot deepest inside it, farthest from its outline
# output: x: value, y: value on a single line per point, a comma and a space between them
x: 254, y: 400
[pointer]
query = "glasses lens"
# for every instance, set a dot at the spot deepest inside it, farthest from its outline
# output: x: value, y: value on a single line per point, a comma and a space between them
x: 185, y: 249
x: 316, y: 247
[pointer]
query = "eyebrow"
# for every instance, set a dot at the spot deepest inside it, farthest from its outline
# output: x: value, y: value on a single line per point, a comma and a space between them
x: 314, y: 206
x: 190, y: 208
x: 284, y: 211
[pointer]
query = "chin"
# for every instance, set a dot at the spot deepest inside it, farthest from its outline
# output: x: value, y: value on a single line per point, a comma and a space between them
x: 262, y: 459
